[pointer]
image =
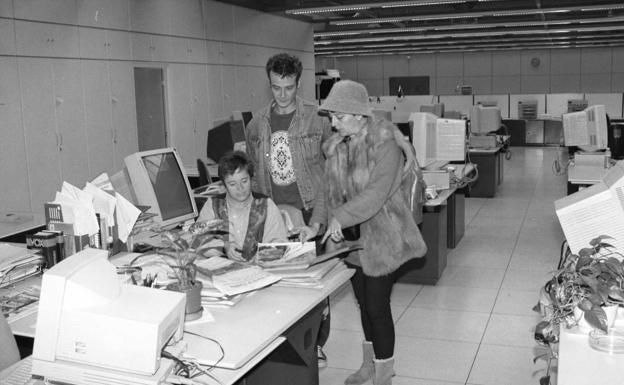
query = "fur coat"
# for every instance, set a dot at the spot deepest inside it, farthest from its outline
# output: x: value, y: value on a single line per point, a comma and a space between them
x: 364, y: 174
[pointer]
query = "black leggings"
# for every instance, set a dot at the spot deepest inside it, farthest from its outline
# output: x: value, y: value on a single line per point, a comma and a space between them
x: 373, y: 296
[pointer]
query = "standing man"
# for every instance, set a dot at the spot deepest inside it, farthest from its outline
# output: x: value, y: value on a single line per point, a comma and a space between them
x: 284, y: 144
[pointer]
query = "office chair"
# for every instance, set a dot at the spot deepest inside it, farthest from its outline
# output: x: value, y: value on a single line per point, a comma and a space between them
x: 9, y: 354
x: 204, y: 173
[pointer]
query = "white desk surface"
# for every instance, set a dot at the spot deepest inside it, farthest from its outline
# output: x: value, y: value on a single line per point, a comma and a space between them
x: 490, y: 150
x: 586, y: 174
x: 15, y: 222
x: 247, y: 332
x: 580, y: 364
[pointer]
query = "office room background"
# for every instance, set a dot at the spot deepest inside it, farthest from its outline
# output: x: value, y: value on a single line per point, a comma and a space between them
x: 67, y: 75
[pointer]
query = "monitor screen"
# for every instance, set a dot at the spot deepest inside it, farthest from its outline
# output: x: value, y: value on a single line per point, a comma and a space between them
x: 159, y: 180
x: 586, y: 128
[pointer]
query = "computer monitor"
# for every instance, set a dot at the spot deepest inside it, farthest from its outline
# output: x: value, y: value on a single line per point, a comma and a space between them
x: 436, y: 109
x: 92, y: 329
x: 450, y: 140
x: 158, y: 180
x: 423, y: 135
x: 586, y: 128
x: 224, y: 137
x: 575, y: 105
x: 484, y: 120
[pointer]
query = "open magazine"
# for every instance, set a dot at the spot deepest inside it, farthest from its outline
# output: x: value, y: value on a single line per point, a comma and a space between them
x: 295, y: 255
x: 594, y: 211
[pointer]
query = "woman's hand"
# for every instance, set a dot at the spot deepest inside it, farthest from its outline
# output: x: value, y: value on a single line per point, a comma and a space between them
x: 334, y: 230
x: 308, y: 232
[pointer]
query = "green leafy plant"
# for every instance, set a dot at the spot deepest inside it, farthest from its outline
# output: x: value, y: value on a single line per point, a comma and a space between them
x: 183, y: 248
x: 589, y: 280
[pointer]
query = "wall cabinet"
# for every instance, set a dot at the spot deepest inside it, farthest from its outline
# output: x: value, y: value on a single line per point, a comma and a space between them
x: 189, y: 111
x: 53, y: 126
x: 104, y: 44
x: 13, y: 168
x: 42, y: 39
x: 155, y: 48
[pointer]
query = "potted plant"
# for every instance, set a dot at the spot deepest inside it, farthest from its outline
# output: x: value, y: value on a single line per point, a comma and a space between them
x: 580, y: 289
x: 183, y: 248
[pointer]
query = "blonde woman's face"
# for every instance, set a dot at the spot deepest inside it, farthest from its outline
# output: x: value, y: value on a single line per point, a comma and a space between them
x: 347, y: 124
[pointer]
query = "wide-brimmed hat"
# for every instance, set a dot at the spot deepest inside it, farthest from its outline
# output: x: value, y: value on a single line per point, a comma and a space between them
x: 348, y: 97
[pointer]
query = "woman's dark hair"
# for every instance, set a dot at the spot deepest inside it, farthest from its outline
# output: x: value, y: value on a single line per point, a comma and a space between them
x: 233, y: 161
x: 284, y: 65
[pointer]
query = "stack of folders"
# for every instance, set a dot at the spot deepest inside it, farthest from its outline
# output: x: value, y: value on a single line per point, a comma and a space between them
x: 212, y: 297
x: 18, y: 263
x: 311, y: 277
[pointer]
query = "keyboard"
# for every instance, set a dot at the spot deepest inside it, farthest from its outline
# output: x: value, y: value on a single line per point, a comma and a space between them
x: 19, y: 374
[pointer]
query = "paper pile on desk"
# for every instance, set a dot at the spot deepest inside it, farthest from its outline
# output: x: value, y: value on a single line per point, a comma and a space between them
x: 231, y: 277
x: 312, y: 277
x: 17, y: 263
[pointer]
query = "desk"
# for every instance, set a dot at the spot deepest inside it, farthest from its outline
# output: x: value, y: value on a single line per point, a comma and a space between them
x: 428, y: 270
x: 268, y: 338
x: 489, y: 163
x: 584, y: 176
x: 579, y: 364
x: 13, y: 225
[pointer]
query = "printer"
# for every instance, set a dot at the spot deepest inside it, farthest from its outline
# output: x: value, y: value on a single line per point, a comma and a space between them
x: 92, y: 329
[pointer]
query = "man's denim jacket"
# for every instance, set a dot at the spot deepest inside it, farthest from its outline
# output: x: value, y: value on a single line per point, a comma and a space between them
x: 306, y: 133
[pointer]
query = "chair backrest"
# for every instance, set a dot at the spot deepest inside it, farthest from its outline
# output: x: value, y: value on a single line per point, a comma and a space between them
x: 9, y: 354
x: 204, y: 173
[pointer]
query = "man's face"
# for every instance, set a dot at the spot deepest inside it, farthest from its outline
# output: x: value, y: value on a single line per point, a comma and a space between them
x: 284, y: 91
x: 238, y: 185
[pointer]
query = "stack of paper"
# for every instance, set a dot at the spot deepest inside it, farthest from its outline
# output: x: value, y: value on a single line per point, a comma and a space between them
x: 231, y: 277
x: 312, y: 277
x: 17, y: 263
x: 212, y: 297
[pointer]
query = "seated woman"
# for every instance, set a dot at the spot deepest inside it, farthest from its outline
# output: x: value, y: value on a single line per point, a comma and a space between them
x: 252, y: 217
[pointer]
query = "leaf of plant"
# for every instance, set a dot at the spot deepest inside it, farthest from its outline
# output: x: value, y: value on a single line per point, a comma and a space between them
x: 597, y: 318
x: 586, y: 251
x: 545, y: 380
x: 583, y: 261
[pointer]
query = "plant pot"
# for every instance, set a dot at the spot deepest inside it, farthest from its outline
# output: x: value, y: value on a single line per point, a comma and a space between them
x: 194, y: 308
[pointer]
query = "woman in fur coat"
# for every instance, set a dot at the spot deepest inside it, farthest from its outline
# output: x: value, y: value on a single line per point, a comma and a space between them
x: 364, y: 171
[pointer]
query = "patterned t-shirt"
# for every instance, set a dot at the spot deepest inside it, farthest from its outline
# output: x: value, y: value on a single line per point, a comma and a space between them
x: 283, y: 179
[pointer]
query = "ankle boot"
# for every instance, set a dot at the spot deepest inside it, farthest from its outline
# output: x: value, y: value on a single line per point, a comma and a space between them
x: 366, y: 371
x: 384, y: 370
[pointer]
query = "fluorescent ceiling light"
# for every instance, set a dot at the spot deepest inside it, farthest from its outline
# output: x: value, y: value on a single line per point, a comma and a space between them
x: 468, y: 26
x: 365, y: 6
x: 433, y: 35
x: 467, y: 15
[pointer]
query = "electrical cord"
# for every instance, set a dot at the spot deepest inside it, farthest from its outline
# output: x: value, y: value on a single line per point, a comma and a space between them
x: 186, y: 369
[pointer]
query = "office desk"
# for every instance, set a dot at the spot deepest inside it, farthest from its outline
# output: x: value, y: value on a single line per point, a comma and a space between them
x: 489, y: 162
x: 268, y: 338
x: 579, y: 364
x: 14, y: 224
x: 584, y: 176
x: 428, y: 270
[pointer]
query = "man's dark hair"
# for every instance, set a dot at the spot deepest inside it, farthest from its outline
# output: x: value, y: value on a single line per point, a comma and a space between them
x: 284, y: 65
x: 232, y: 161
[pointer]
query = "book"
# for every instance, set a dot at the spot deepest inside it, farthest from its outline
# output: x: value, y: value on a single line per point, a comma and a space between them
x: 280, y: 253
x: 46, y: 243
x: 594, y: 211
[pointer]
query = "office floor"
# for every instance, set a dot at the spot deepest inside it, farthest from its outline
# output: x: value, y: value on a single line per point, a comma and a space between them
x: 474, y: 327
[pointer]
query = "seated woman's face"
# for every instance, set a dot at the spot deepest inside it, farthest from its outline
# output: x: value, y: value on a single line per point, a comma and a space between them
x: 238, y: 185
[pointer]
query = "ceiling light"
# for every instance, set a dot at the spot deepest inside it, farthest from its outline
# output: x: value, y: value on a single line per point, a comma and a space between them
x: 360, y: 7
x: 446, y: 16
